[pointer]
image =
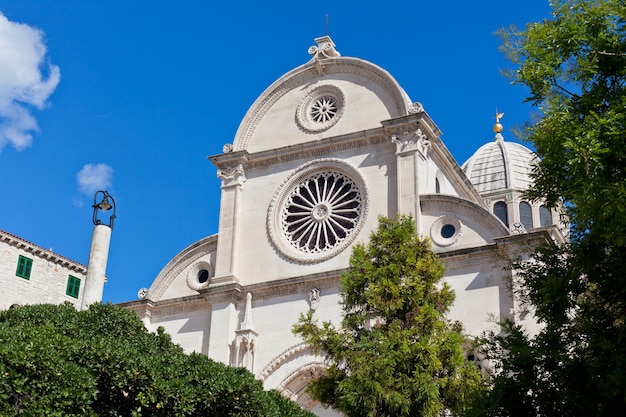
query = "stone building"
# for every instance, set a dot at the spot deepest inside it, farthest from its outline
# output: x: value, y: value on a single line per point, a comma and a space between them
x: 324, y: 151
x: 30, y: 274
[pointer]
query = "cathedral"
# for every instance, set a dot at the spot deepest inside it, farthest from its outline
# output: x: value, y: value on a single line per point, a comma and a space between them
x: 326, y: 149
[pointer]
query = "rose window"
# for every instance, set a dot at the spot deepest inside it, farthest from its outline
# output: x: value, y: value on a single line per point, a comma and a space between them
x: 321, y: 212
x: 323, y: 109
x: 320, y: 108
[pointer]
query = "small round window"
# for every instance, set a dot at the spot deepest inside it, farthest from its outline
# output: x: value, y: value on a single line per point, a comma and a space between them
x: 324, y: 109
x: 203, y: 276
x: 445, y: 231
x: 320, y: 108
x: 199, y: 276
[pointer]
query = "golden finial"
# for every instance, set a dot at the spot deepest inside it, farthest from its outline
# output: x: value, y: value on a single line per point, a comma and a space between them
x: 498, y: 128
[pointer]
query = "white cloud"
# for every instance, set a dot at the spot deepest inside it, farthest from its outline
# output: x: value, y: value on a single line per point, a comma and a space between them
x: 23, y: 84
x: 94, y: 177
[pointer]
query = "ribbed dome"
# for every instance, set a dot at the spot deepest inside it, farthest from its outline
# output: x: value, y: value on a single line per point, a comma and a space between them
x: 500, y: 165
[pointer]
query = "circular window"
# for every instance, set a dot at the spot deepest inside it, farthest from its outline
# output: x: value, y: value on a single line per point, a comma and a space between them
x: 315, y: 214
x: 320, y: 108
x: 199, y: 276
x: 321, y: 212
x: 445, y: 231
x: 323, y: 110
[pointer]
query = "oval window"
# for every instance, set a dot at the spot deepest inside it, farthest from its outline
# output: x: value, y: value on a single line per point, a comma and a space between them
x: 203, y: 276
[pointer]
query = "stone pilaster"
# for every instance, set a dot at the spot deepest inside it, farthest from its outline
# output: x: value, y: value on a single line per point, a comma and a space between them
x: 411, y: 152
x: 233, y: 179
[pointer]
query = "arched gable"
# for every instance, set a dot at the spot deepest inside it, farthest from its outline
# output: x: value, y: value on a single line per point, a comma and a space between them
x: 362, y: 94
x: 453, y: 223
x: 180, y: 276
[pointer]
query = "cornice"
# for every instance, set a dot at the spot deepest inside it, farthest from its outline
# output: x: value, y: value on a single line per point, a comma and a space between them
x: 296, y: 285
x: 235, y: 293
x: 42, y: 253
x: 505, y: 250
x: 473, y: 256
x: 332, y: 145
x: 167, y: 308
x: 303, y: 151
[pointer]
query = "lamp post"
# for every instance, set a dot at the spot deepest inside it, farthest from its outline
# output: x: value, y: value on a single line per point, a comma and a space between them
x: 99, y: 253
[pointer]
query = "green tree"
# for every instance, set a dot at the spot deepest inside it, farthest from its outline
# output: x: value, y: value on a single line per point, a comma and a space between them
x: 574, y: 65
x: 56, y: 361
x: 395, y: 352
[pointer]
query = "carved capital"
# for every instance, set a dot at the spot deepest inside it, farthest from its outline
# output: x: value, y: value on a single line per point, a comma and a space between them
x: 411, y: 141
x: 232, y: 176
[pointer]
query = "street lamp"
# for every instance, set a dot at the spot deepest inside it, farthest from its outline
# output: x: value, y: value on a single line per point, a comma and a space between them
x: 103, y: 206
x: 99, y: 253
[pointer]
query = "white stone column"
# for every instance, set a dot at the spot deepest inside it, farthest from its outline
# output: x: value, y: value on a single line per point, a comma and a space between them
x: 96, y: 268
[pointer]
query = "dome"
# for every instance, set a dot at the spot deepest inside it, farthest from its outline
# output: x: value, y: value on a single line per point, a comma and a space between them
x: 499, y: 166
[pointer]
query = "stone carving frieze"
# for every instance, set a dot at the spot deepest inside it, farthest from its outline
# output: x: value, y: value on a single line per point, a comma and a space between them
x: 282, y: 358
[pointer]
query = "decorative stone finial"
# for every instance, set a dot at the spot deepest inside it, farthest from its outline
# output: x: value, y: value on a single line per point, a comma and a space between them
x: 143, y: 293
x: 247, y: 324
x: 498, y: 128
x: 325, y: 48
x: 416, y: 108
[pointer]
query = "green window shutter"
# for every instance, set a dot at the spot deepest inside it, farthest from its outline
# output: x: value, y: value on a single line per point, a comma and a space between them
x: 24, y: 266
x: 73, y: 286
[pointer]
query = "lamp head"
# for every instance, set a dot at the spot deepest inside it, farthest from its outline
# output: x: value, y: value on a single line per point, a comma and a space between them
x: 104, y: 205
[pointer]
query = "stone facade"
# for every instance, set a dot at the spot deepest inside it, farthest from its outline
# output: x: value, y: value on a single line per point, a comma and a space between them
x: 30, y: 274
x: 324, y: 151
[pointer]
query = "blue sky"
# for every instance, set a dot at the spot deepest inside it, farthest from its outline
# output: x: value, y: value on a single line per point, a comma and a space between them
x: 132, y: 96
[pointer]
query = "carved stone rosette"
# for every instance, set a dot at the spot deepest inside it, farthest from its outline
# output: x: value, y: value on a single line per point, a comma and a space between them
x: 415, y: 108
x: 518, y: 228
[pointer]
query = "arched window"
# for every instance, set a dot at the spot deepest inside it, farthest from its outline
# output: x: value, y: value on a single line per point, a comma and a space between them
x: 499, y: 209
x: 437, y: 186
x: 526, y: 215
x: 545, y: 216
